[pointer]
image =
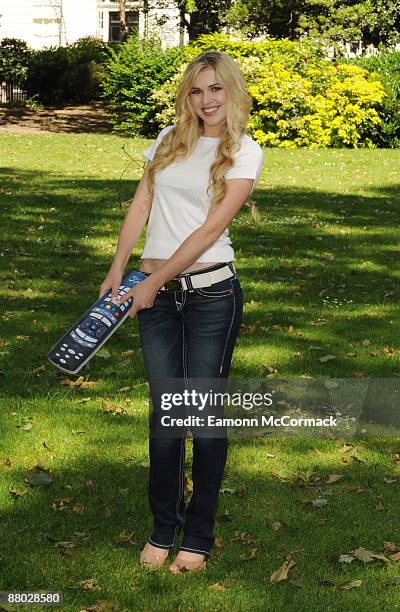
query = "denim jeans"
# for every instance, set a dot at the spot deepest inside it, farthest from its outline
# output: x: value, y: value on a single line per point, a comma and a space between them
x: 188, y: 334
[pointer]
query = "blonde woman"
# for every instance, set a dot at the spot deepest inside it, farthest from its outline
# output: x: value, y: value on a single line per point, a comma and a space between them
x: 200, y: 172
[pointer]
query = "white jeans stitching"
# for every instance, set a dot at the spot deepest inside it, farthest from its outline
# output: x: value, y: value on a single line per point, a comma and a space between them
x: 229, y: 330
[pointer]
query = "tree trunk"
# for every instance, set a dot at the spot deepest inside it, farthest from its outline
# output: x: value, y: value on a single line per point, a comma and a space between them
x: 122, y: 16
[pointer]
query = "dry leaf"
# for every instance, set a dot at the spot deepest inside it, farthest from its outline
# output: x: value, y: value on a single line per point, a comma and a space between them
x: 282, y: 572
x: 18, y: 492
x: 334, y: 478
x: 251, y: 554
x: 362, y: 554
x: 350, y: 585
x: 217, y: 587
x: 326, y: 358
x: 276, y: 526
x: 318, y: 503
x: 88, y: 585
x: 346, y: 558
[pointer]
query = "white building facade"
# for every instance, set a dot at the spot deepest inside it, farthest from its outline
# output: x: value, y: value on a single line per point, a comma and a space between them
x: 45, y: 23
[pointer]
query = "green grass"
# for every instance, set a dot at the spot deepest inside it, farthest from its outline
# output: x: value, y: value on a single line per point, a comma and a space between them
x: 321, y: 269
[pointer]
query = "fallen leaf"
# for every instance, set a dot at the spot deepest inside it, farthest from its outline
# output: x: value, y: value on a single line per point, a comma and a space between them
x: 326, y: 358
x: 350, y: 585
x: 362, y: 554
x: 318, y: 503
x: 276, y: 526
x: 217, y: 586
x: 334, y: 478
x: 251, y: 554
x: 14, y: 492
x: 88, y: 585
x: 282, y: 572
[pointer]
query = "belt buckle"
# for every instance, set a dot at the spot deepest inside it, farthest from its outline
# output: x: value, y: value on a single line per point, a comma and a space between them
x: 174, y: 284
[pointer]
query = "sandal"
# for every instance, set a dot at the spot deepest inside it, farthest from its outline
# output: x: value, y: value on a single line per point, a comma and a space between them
x: 192, y: 562
x: 152, y: 556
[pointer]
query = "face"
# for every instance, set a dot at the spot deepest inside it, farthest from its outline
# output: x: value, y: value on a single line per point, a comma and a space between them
x: 208, y: 99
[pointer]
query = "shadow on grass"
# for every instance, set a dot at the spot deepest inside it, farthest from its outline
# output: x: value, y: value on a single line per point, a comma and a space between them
x: 51, y: 267
x: 116, y: 502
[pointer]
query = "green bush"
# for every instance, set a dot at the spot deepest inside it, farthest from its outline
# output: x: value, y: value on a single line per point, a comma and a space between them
x: 67, y: 75
x: 386, y: 65
x: 132, y: 73
x: 15, y: 56
x: 299, y: 98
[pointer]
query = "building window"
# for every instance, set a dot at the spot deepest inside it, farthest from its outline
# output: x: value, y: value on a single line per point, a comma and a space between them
x: 132, y: 23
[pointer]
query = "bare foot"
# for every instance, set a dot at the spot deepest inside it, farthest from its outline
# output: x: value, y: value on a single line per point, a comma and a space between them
x: 193, y: 562
x: 152, y: 556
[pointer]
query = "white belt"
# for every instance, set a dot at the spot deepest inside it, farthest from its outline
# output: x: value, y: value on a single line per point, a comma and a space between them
x: 203, y: 279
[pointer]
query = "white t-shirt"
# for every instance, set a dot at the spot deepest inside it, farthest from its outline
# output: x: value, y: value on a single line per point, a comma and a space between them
x: 180, y: 202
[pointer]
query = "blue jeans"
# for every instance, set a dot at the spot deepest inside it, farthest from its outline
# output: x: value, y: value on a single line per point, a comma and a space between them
x: 188, y: 334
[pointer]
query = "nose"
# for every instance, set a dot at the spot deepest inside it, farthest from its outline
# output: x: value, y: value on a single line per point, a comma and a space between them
x: 207, y: 99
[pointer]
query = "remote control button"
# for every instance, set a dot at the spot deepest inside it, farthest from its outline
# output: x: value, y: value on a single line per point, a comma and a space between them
x: 89, y: 339
x: 96, y: 315
x: 62, y: 348
x: 57, y: 354
x: 122, y: 307
x: 80, y: 354
x: 106, y: 321
x: 65, y: 344
x: 76, y: 357
x: 62, y: 361
x: 78, y: 331
x: 71, y: 351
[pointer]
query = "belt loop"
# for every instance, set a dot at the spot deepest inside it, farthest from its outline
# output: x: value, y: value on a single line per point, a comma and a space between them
x: 188, y: 282
x: 232, y: 267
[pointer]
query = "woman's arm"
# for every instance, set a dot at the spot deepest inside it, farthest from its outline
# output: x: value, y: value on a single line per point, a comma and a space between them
x: 133, y: 224
x: 218, y: 219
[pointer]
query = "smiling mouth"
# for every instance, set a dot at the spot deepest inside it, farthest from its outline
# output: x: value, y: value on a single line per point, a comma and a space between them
x: 210, y: 109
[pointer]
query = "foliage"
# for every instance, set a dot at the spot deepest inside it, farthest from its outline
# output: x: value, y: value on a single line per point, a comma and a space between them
x: 299, y: 99
x: 67, y: 75
x: 330, y: 105
x: 386, y: 65
x: 14, y: 60
x: 372, y: 21
x: 132, y: 73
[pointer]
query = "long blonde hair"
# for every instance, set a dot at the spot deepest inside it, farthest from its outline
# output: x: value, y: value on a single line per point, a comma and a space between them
x: 181, y: 140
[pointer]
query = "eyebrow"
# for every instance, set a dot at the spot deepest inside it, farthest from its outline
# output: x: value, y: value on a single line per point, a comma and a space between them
x: 208, y: 86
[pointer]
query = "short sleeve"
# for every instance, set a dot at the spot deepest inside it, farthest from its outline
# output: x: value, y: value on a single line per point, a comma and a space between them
x: 151, y: 151
x: 249, y: 163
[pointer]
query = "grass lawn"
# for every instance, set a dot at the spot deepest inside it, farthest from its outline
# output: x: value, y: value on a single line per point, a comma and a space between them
x: 320, y: 275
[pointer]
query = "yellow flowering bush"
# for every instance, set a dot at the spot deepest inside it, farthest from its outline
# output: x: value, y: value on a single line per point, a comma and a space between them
x: 328, y: 105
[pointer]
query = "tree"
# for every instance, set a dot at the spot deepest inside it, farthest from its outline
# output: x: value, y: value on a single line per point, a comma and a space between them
x: 370, y: 21
x: 122, y: 17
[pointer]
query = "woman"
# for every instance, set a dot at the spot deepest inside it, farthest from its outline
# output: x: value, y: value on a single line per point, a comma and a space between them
x: 190, y: 305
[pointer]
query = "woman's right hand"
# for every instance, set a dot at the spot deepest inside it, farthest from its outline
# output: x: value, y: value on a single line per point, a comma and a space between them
x: 113, y: 282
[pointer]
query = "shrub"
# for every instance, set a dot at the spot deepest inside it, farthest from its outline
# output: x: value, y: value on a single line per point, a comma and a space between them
x: 132, y: 73
x: 386, y: 66
x: 15, y: 56
x: 299, y: 98
x: 67, y: 75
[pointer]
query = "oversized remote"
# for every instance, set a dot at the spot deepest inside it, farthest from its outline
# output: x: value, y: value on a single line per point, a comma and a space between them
x: 94, y: 328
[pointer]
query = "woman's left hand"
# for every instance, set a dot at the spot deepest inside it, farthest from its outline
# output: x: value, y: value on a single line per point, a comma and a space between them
x: 144, y: 294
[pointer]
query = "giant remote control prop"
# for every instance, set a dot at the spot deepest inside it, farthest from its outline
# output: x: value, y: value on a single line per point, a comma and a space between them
x: 94, y: 328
